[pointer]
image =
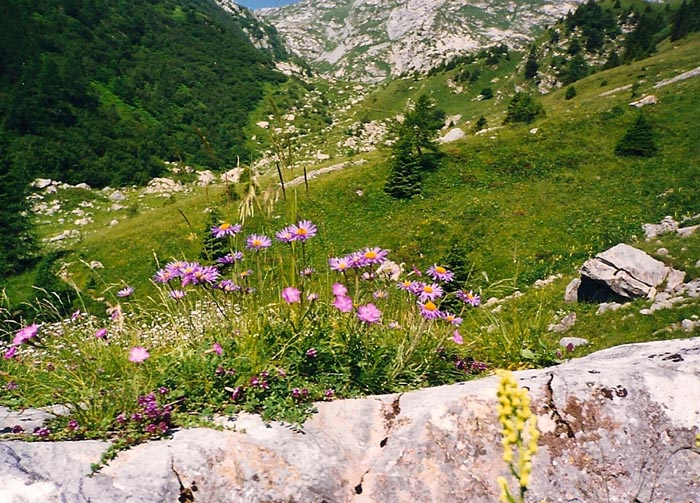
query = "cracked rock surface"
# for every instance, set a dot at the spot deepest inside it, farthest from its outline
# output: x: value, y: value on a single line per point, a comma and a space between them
x: 618, y: 425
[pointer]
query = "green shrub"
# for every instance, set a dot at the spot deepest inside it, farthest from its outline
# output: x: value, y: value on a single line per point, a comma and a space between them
x: 570, y: 93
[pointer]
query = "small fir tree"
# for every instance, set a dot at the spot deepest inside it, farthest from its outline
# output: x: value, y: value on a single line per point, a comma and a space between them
x: 570, y: 93
x: 480, y: 124
x: 638, y: 140
x: 522, y: 108
x: 531, y: 65
x: 404, y: 179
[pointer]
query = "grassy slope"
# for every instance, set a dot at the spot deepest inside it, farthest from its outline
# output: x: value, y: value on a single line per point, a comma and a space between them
x: 517, y: 205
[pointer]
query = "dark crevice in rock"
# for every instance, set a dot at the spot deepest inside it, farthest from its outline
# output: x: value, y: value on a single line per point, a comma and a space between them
x: 186, y: 493
x: 563, y: 425
x: 358, y: 487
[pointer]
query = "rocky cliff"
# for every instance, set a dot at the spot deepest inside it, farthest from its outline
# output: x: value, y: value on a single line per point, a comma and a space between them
x: 374, y: 39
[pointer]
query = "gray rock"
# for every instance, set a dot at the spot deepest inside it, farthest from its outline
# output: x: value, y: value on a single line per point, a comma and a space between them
x: 684, y: 232
x: 565, y: 324
x: 617, y: 425
x: 662, y: 252
x: 571, y: 292
x: 688, y: 325
x: 623, y: 270
x: 605, y: 307
x: 574, y: 342
x: 674, y: 279
x: 117, y: 196
x: 667, y: 224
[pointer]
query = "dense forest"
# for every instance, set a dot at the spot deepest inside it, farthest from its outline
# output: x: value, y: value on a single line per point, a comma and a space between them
x: 103, y: 91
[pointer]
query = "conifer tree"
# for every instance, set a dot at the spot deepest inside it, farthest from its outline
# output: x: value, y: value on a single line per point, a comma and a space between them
x: 531, y: 65
x: 17, y: 241
x: 404, y: 179
x: 638, y: 140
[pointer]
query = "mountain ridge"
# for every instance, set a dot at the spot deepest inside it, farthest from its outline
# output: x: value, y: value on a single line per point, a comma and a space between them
x: 372, y: 40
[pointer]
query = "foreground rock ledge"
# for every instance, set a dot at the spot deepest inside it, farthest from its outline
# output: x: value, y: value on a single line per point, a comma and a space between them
x: 618, y: 425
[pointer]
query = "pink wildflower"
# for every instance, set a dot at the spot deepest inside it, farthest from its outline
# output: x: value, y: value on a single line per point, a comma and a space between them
x: 339, y: 289
x: 369, y: 314
x: 291, y: 295
x: 457, y: 337
x: 25, y: 334
x: 138, y: 354
x: 343, y: 303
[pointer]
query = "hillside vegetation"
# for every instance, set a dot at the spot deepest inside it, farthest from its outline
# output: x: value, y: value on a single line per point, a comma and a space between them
x: 103, y: 92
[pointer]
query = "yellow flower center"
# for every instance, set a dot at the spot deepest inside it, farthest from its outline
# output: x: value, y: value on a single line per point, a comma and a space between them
x: 257, y: 242
x: 429, y: 306
x: 370, y: 254
x: 302, y: 232
x: 428, y: 289
x: 225, y: 226
x: 440, y: 270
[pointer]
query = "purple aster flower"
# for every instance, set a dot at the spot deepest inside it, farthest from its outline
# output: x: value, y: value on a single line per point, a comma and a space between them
x: 286, y: 235
x: 101, y: 333
x: 380, y: 294
x: 311, y: 353
x: 226, y: 229
x: 457, y: 337
x: 328, y: 394
x: 206, y: 274
x: 303, y: 230
x: 405, y: 285
x: 369, y: 313
x: 125, y: 292
x: 312, y: 297
x: 343, y: 303
x: 452, y: 319
x: 296, y: 393
x: 339, y: 289
x: 25, y: 334
x: 429, y: 310
x: 177, y: 294
x: 291, y: 295
x: 306, y: 272
x: 439, y: 273
x: 469, y: 297
x: 11, y: 385
x: 73, y: 425
x: 10, y: 353
x: 138, y: 354
x: 230, y: 258
x: 228, y: 286
x: 163, y: 275
x: 339, y: 263
x: 258, y: 242
x: 428, y: 292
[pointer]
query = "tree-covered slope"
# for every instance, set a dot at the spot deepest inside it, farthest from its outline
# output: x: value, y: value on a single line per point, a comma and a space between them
x: 102, y: 92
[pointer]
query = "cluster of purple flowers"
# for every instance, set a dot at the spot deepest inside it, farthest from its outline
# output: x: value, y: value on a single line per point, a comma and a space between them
x: 358, y: 259
x: 302, y: 231
x: 150, y: 417
x: 428, y: 294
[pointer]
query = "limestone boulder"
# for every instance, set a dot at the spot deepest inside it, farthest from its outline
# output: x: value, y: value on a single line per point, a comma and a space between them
x: 622, y: 271
x: 618, y: 425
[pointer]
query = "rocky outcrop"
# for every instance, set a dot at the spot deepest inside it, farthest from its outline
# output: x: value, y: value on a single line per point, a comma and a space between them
x: 620, y: 273
x: 618, y: 425
x: 371, y: 40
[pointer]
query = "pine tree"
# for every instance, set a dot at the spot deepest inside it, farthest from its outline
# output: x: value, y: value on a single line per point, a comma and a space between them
x: 531, y: 65
x: 17, y: 241
x: 522, y: 108
x: 638, y: 140
x: 423, y: 123
x: 404, y: 180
